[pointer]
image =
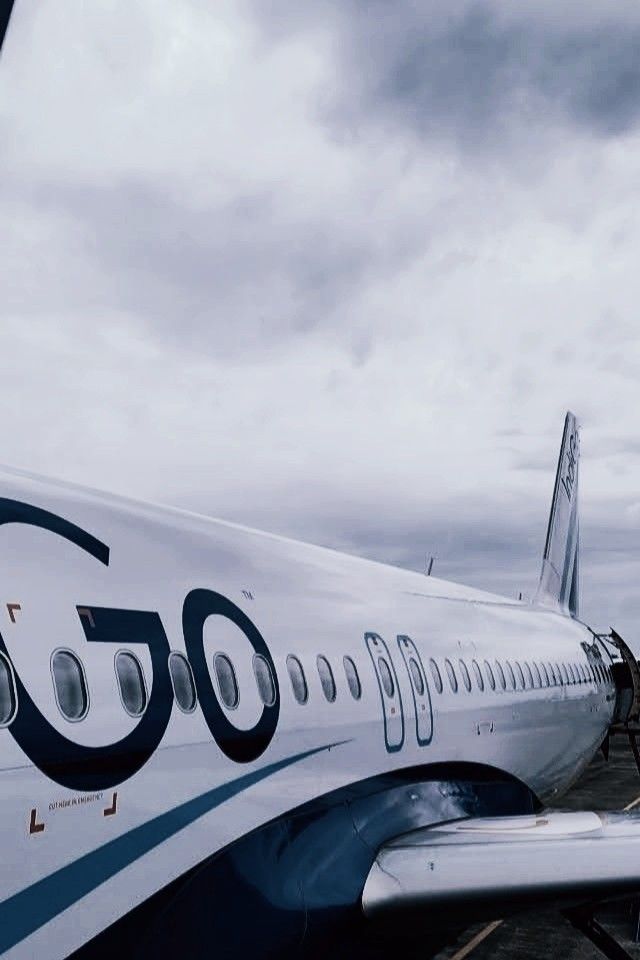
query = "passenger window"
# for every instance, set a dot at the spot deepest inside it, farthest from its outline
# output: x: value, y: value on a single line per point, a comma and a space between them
x: 182, y: 682
x: 500, y: 672
x: 478, y: 674
x: 489, y: 673
x: 70, y: 685
x: 131, y: 683
x: 572, y: 676
x: 227, y: 683
x: 264, y: 680
x: 7, y: 693
x: 326, y: 678
x: 297, y: 677
x: 353, y: 680
x: 453, y: 680
x: 565, y: 673
x: 552, y: 674
x: 528, y: 676
x: 435, y: 673
x: 416, y: 676
x: 545, y: 674
x: 466, y: 679
x: 385, y: 676
x: 537, y: 679
x: 511, y: 680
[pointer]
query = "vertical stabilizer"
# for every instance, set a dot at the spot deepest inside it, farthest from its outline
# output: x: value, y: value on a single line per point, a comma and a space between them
x: 559, y: 585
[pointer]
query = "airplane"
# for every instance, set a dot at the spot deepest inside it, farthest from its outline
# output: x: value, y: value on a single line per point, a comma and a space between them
x: 221, y: 742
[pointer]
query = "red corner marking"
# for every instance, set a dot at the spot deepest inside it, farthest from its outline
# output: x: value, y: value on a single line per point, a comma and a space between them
x: 113, y: 809
x: 12, y: 607
x: 34, y: 826
x: 86, y: 612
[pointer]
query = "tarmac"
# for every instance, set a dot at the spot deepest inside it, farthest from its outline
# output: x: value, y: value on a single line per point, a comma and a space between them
x: 605, y: 785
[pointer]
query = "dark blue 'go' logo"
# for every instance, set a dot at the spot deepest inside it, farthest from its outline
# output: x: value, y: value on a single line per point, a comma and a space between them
x: 80, y: 767
x: 240, y: 745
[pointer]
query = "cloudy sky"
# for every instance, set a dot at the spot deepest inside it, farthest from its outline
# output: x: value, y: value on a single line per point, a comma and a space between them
x: 335, y: 269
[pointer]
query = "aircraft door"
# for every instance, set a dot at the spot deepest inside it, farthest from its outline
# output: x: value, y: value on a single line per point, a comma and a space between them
x: 419, y: 689
x: 389, y: 688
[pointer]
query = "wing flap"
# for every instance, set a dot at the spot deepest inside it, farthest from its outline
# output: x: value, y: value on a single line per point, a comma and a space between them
x: 493, y: 863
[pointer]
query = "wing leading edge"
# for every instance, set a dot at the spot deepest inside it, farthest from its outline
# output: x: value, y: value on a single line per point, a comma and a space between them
x: 489, y: 865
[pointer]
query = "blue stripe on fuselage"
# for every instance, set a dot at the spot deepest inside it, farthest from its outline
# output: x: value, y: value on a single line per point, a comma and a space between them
x: 26, y: 911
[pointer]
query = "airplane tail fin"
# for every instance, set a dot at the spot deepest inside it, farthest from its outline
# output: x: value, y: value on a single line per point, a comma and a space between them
x: 559, y: 585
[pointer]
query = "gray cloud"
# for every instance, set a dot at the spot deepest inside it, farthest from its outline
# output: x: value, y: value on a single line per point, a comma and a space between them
x: 225, y: 270
x: 475, y: 72
x: 333, y: 270
x: 237, y: 276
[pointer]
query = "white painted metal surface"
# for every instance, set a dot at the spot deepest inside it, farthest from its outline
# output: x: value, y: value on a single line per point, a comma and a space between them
x: 297, y: 600
x: 550, y: 855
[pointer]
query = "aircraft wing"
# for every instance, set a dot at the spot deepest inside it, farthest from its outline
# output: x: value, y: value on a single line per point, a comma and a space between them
x: 491, y: 865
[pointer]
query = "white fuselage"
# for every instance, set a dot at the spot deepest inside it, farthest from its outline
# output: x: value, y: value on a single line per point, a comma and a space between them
x: 304, y: 601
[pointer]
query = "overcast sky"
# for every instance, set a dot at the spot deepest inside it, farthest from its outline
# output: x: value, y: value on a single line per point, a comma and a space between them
x: 335, y: 270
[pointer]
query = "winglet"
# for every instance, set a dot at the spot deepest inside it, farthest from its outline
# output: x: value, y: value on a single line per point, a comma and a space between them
x: 559, y: 585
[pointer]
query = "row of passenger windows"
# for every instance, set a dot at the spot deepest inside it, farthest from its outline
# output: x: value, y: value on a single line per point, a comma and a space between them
x: 72, y: 695
x: 518, y: 676
x: 327, y: 679
x: 70, y: 683
x: 228, y: 683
